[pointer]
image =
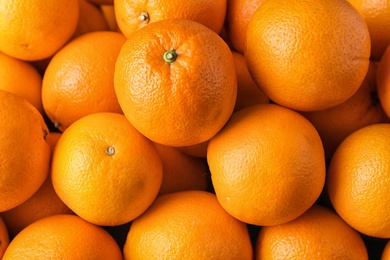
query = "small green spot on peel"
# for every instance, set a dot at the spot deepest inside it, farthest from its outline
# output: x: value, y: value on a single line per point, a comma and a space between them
x: 110, y: 150
x: 170, y: 56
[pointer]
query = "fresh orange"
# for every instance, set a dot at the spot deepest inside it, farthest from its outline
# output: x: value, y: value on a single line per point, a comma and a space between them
x: 106, y: 171
x: 386, y: 252
x: 25, y: 156
x: 181, y: 171
x: 187, y: 225
x: 307, y: 55
x: 80, y: 78
x: 358, y: 180
x: 91, y: 19
x: 267, y: 165
x: 35, y: 29
x: 175, y: 80
x: 383, y: 81
x: 21, y: 78
x: 4, y: 237
x: 317, y: 234
x: 63, y: 237
x: 248, y: 93
x: 108, y: 11
x: 376, y: 14
x: 132, y: 15
x: 45, y: 202
x: 238, y: 16
x: 197, y: 150
x: 362, y: 109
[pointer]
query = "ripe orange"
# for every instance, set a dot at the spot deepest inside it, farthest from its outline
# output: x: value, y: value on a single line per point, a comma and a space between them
x: 376, y: 14
x: 383, y: 81
x: 317, y: 234
x: 36, y: 29
x: 80, y: 78
x: 358, y: 179
x: 4, y: 237
x: 248, y: 93
x: 21, y: 78
x: 197, y: 150
x: 386, y: 252
x: 362, y: 109
x: 176, y: 82
x: 63, y: 237
x: 108, y: 11
x: 25, y: 156
x: 187, y: 225
x: 238, y: 16
x: 44, y: 202
x: 181, y: 171
x: 106, y: 171
x: 267, y: 165
x: 307, y: 55
x: 134, y: 15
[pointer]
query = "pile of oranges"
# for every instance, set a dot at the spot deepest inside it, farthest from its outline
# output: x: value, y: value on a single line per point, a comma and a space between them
x: 213, y: 129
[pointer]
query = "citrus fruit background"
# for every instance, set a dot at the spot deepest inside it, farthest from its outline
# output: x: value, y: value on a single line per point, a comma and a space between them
x: 198, y: 129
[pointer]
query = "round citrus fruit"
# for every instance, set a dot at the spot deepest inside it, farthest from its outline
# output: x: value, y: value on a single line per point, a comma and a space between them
x: 383, y: 81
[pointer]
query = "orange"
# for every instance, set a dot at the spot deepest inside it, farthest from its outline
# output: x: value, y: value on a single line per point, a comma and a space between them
x: 44, y: 202
x: 175, y: 81
x: 267, y: 165
x: 4, y: 237
x: 63, y: 237
x: 248, y: 93
x: 79, y: 80
x: 108, y: 11
x: 187, y: 225
x: 376, y: 14
x: 36, y: 29
x: 358, y: 179
x: 363, y: 108
x: 91, y: 19
x: 181, y: 171
x: 307, y: 55
x: 317, y: 234
x: 106, y: 171
x: 135, y: 14
x: 238, y: 16
x: 25, y: 156
x: 102, y: 2
x: 21, y: 78
x: 383, y: 81
x: 197, y: 150
x: 386, y: 251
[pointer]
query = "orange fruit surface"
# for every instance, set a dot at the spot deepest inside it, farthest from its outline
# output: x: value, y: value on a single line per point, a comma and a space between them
x: 386, y: 252
x: 383, y: 81
x: 358, y: 178
x: 317, y: 234
x: 63, y: 237
x: 267, y: 165
x: 43, y: 203
x: 176, y: 82
x: 36, y: 29
x: 4, y: 237
x: 136, y: 14
x: 25, y: 156
x: 106, y: 171
x: 307, y: 55
x: 187, y: 225
x: 79, y: 79
x: 376, y: 14
x: 22, y: 79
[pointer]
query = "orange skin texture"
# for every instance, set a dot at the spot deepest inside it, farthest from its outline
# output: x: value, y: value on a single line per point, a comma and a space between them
x: 376, y: 14
x: 267, y: 165
x: 63, y: 237
x: 287, y: 52
x: 362, y: 109
x: 187, y: 223
x: 386, y: 252
x: 36, y: 29
x: 106, y: 187
x: 383, y: 81
x: 206, y: 12
x: 183, y: 103
x: 358, y: 179
x: 317, y: 234
x: 24, y: 164
x: 79, y: 79
x: 21, y: 78
x: 4, y: 237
